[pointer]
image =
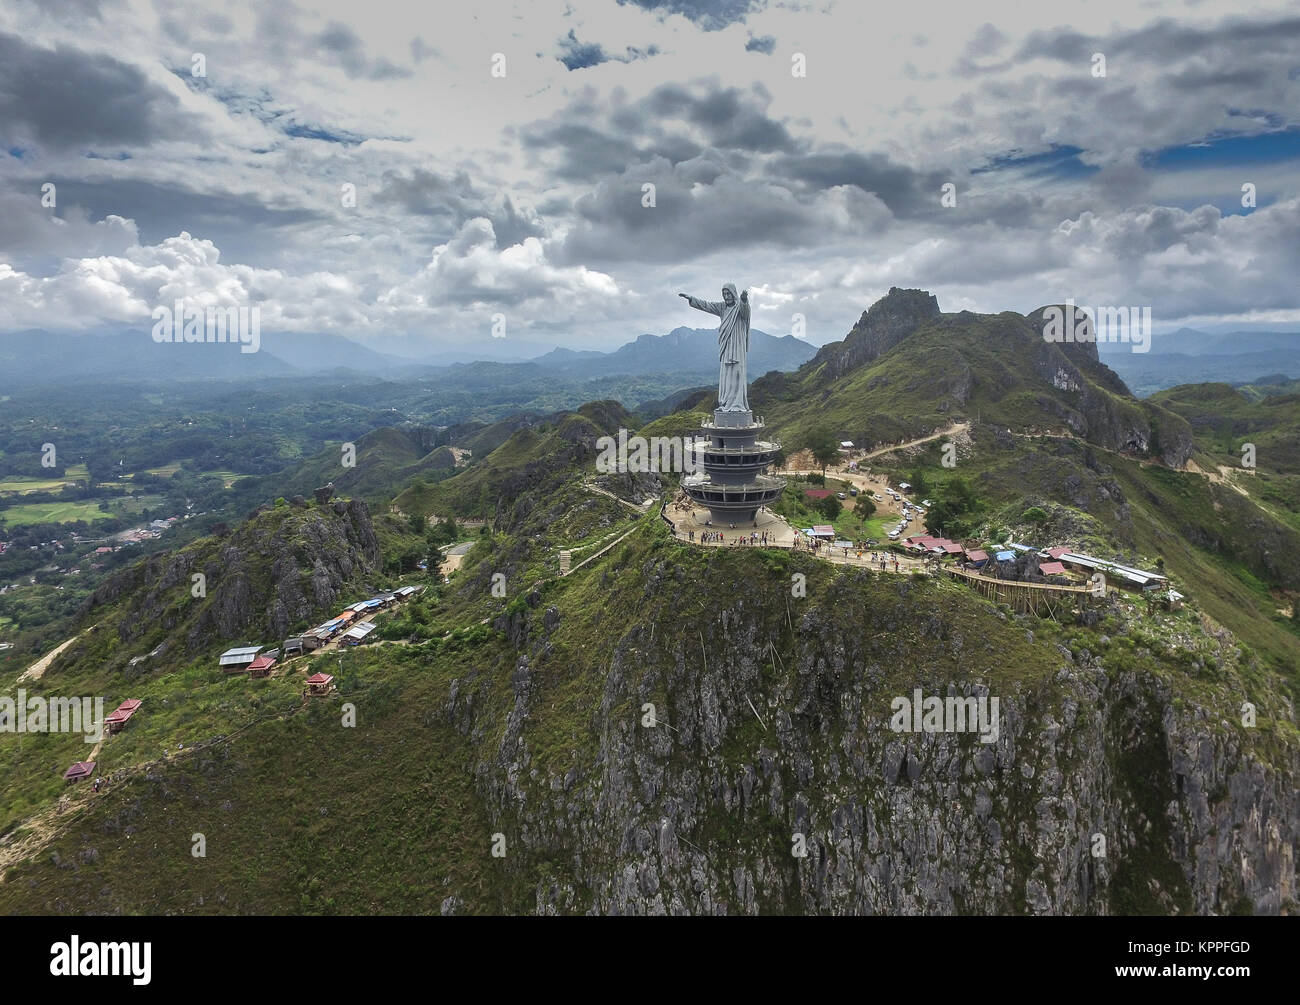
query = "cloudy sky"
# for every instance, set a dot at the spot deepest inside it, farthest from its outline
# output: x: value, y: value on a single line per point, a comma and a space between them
x: 500, y: 155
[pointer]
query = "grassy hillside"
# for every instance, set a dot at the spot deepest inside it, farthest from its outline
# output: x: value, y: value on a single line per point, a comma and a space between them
x: 397, y: 814
x: 995, y: 369
x: 511, y: 701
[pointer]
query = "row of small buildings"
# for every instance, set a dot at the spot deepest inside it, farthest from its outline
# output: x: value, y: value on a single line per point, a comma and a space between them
x: 350, y: 628
x: 114, y: 722
x: 1057, y: 561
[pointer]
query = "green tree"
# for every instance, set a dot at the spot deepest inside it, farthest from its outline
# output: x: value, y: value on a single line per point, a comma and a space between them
x: 1035, y: 515
x: 824, y: 446
x: 829, y: 507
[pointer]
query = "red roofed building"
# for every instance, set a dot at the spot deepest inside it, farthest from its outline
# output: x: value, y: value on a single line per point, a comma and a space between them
x: 319, y: 683
x: 1052, y: 569
x: 116, y: 719
x: 1058, y: 551
x: 80, y: 770
x: 261, y: 667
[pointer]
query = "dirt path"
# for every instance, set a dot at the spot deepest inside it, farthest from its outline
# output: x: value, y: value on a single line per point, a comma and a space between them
x: 1222, y: 476
x: 40, y: 829
x: 953, y: 430
x: 37, y: 669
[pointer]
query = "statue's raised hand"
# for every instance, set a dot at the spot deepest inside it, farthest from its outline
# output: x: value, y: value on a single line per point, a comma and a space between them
x: 684, y: 296
x: 744, y: 296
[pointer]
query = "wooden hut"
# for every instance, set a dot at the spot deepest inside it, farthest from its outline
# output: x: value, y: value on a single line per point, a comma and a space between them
x: 319, y: 683
x: 301, y: 644
x: 80, y: 770
x: 116, y: 719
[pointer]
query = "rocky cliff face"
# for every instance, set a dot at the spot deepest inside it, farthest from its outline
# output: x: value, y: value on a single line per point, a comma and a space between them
x: 886, y: 323
x: 282, y: 566
x: 1102, y: 793
x: 1098, y: 406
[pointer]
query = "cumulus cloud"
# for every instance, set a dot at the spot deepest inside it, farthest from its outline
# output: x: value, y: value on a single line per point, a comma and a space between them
x: 524, y: 194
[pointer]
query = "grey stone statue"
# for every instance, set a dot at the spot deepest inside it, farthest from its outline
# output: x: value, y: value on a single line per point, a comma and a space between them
x: 733, y: 345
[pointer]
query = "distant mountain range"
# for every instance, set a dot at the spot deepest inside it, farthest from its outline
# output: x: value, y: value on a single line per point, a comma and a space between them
x: 37, y: 358
x: 1190, y: 342
x: 682, y: 350
x: 1188, y: 356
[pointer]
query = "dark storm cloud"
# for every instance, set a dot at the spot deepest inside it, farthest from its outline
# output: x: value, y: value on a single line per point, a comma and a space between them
x: 238, y: 223
x: 906, y: 192
x: 452, y: 200
x: 700, y: 207
x: 761, y: 43
x: 345, y: 45
x: 1167, y: 41
x: 65, y: 98
x: 590, y: 139
x: 728, y: 116
x: 584, y: 152
x: 710, y: 15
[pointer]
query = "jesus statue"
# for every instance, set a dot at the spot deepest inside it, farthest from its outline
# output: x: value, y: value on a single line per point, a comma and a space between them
x: 733, y: 345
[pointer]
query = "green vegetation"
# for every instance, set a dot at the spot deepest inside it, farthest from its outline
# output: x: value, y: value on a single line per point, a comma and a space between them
x: 521, y: 714
x: 824, y: 446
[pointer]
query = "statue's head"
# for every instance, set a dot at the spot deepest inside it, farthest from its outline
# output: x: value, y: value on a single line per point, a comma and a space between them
x: 729, y: 294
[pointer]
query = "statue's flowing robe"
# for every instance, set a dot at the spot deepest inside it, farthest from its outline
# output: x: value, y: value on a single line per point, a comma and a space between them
x: 733, y: 347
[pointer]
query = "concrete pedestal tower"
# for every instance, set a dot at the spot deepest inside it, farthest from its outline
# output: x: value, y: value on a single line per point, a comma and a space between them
x: 734, y: 482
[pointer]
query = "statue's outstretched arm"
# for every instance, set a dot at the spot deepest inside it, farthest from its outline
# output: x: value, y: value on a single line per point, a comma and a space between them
x: 707, y: 306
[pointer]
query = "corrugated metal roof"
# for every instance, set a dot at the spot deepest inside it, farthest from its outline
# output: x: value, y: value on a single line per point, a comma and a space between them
x: 1137, y: 576
x: 236, y: 657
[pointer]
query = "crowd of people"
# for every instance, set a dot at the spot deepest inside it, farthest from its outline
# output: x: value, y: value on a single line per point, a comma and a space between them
x: 757, y: 538
x: 762, y: 538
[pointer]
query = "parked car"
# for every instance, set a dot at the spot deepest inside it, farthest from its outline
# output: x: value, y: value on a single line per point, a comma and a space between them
x: 853, y: 491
